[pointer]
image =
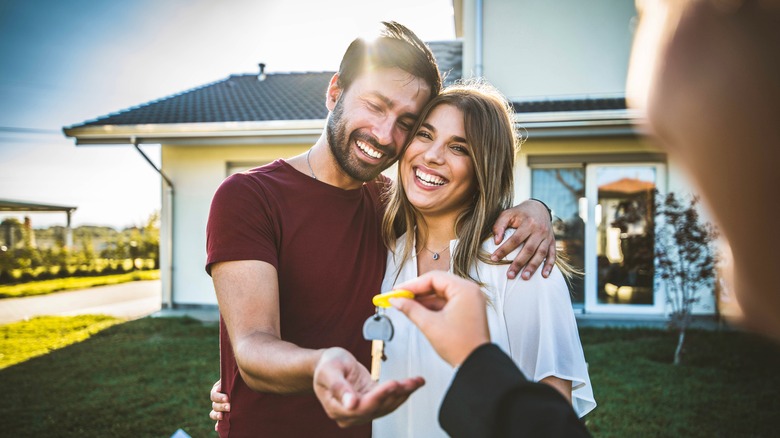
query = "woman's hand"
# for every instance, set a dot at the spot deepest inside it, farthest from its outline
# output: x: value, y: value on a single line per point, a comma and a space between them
x: 219, y: 403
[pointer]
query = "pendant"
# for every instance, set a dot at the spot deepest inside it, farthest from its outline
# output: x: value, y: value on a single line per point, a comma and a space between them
x: 436, y: 256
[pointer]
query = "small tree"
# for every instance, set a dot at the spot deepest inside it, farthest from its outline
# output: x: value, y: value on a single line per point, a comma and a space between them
x: 685, y: 257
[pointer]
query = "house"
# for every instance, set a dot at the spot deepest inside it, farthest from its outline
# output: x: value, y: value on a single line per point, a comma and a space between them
x: 583, y: 153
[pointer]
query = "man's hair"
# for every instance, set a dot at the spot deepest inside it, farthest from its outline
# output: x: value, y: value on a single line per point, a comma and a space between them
x: 395, y: 46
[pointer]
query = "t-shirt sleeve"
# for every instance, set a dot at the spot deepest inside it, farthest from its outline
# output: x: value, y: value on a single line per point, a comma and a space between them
x: 242, y: 223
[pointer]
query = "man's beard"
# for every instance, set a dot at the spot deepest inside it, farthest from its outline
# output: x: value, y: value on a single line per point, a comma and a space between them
x: 339, y: 140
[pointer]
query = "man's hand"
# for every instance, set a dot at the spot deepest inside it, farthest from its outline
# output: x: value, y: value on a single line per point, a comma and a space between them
x: 219, y: 403
x: 349, y: 396
x: 453, y: 318
x: 534, y: 233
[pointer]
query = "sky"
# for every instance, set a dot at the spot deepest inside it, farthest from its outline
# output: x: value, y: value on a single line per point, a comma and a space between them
x: 66, y: 62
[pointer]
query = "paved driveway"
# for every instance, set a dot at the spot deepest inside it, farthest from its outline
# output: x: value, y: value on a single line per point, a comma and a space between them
x: 128, y: 300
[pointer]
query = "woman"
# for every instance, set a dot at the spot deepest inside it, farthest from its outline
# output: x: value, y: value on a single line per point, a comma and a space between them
x: 455, y: 178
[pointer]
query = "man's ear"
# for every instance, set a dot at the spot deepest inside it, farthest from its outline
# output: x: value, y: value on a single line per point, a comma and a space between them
x: 334, y: 92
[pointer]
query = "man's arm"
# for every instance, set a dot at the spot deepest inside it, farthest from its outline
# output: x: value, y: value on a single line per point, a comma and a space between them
x: 532, y: 220
x: 248, y: 296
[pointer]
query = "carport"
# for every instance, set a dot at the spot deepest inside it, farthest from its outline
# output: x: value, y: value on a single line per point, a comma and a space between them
x: 12, y: 206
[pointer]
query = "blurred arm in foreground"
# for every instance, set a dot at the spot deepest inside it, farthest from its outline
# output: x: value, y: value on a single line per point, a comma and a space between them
x: 706, y: 73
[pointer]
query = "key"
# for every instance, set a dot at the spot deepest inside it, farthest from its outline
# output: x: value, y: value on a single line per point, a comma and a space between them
x: 378, y: 329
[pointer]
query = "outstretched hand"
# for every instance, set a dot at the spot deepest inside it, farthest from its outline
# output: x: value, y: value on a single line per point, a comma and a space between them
x: 452, y: 318
x: 534, y: 232
x: 349, y: 396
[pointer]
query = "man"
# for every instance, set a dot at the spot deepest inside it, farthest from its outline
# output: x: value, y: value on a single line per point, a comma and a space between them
x: 295, y: 253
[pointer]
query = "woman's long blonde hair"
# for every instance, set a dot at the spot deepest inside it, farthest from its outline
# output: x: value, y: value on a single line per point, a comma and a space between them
x: 488, y: 122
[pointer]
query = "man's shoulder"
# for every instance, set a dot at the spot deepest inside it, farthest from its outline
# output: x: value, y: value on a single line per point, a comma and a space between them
x: 277, y: 167
x: 377, y: 189
x: 379, y: 183
x: 276, y: 173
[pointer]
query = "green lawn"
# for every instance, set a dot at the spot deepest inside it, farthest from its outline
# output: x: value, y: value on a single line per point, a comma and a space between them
x: 22, y: 340
x: 72, y: 283
x: 727, y: 386
x: 144, y: 378
x: 150, y: 377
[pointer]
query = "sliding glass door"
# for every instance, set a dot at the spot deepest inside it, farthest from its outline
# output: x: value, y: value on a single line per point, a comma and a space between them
x: 562, y: 188
x: 605, y: 226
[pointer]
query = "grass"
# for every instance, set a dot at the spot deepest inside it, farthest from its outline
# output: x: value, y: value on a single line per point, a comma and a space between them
x: 150, y: 377
x: 20, y: 341
x: 144, y: 378
x: 72, y: 283
x: 727, y: 386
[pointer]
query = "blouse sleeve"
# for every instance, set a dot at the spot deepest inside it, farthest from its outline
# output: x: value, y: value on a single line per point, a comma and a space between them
x: 542, y: 334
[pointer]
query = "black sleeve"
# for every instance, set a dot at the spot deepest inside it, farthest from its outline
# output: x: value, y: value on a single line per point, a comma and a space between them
x: 490, y: 397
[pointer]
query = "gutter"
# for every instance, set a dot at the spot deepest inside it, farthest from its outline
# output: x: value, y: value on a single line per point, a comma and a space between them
x: 568, y: 124
x: 275, y: 131
x: 167, y: 298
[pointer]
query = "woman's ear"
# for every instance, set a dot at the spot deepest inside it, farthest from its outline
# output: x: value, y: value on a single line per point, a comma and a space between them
x: 334, y: 92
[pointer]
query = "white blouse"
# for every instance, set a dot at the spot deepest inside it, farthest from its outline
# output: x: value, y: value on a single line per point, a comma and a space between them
x: 531, y: 320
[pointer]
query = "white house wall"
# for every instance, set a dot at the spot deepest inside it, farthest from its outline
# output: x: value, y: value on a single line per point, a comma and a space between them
x: 539, y: 48
x: 196, y: 172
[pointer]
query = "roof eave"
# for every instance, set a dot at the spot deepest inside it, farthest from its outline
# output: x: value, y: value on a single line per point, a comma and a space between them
x: 283, y: 131
x: 11, y: 205
x: 567, y: 124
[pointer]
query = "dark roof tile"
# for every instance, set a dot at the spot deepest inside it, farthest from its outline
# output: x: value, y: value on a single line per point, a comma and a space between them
x: 243, y: 98
x: 297, y: 96
x: 239, y: 98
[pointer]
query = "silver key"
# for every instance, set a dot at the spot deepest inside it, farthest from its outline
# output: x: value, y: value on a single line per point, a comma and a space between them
x: 377, y: 329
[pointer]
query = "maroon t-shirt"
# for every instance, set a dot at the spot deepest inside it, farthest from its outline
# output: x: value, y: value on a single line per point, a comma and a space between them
x: 326, y: 245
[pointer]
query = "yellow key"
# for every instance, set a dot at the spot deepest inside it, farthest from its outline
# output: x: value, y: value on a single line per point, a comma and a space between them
x: 381, y: 300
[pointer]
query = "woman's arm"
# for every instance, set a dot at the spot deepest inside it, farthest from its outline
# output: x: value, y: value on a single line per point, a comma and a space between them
x: 563, y: 386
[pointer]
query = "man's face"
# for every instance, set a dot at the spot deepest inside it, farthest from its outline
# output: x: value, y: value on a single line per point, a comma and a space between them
x: 370, y: 121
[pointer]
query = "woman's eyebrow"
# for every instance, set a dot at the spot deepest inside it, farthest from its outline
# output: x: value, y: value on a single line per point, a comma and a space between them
x: 430, y: 127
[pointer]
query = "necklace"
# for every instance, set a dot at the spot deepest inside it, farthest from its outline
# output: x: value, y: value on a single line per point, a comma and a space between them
x: 309, y: 163
x: 436, y: 254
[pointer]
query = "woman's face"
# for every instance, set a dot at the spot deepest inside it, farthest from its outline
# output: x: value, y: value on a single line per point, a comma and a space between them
x: 436, y: 170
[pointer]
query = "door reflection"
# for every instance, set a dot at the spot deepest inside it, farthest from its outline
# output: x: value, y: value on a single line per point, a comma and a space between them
x: 625, y: 236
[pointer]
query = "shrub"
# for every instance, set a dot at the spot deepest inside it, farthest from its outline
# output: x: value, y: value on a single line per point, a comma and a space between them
x: 685, y: 259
